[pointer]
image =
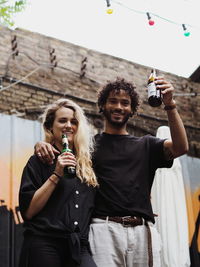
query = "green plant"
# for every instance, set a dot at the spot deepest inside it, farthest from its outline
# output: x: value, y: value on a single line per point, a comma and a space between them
x: 8, y: 9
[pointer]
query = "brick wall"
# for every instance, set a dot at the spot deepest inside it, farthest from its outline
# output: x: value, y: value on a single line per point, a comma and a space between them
x: 28, y: 98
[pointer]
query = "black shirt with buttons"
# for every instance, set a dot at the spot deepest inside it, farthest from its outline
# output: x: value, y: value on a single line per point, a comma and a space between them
x: 68, y: 210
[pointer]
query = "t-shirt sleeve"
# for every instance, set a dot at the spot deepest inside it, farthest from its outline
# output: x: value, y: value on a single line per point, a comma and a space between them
x: 157, y: 156
x: 31, y: 180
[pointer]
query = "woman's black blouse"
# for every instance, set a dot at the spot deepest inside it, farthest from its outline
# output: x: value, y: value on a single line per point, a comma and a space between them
x: 68, y: 211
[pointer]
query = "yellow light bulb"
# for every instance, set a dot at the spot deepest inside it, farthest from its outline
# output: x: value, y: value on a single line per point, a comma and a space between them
x: 109, y: 11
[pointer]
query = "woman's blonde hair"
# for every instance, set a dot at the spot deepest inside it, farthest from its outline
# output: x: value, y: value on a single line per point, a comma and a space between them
x: 83, y: 145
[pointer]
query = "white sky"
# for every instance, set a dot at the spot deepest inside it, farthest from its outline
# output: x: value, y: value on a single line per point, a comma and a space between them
x: 125, y: 33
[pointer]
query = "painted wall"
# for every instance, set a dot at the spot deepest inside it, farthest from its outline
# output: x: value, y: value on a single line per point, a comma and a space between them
x: 18, y: 137
x: 191, y: 176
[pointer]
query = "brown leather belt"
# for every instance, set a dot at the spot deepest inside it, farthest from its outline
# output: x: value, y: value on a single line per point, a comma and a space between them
x: 125, y: 221
x: 133, y: 221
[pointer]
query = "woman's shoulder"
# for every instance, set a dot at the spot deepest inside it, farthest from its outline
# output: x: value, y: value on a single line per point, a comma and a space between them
x: 34, y: 162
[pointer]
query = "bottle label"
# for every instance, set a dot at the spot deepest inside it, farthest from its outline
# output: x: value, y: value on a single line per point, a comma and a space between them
x: 158, y: 93
x: 64, y: 140
x: 151, y: 89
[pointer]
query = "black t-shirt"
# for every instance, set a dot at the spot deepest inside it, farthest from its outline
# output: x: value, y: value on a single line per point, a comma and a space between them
x: 125, y: 166
x: 68, y: 209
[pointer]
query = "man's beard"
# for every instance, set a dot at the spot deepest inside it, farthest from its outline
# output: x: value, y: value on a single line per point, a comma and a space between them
x: 116, y: 123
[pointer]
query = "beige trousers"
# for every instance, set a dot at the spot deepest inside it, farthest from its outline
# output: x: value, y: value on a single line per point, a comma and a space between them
x: 114, y: 245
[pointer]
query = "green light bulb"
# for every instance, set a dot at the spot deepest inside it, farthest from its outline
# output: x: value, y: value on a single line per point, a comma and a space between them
x: 187, y: 34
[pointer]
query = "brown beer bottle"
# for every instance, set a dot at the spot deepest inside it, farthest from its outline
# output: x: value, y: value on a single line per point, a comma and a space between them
x: 154, y: 94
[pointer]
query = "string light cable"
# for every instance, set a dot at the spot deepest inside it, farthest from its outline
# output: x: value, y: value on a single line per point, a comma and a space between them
x: 192, y: 94
x: 151, y: 22
x: 187, y: 94
x: 18, y: 81
x: 28, y: 56
x: 39, y: 66
x: 45, y: 65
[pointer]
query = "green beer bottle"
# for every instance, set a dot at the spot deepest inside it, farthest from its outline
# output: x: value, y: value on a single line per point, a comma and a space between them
x: 68, y: 169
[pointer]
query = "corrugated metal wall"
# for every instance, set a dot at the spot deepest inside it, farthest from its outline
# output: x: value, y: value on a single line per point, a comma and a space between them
x: 18, y: 137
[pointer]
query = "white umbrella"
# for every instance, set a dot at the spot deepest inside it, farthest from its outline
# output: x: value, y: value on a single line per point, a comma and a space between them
x: 168, y: 201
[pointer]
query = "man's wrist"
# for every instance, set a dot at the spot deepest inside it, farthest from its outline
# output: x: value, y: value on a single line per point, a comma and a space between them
x: 170, y: 106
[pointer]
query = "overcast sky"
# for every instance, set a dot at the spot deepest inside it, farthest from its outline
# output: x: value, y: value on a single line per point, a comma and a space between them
x: 126, y: 32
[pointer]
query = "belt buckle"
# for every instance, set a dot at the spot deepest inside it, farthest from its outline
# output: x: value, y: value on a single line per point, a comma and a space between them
x: 126, y: 223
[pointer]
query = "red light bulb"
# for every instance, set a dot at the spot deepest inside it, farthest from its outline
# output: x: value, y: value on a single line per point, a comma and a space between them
x: 151, y: 22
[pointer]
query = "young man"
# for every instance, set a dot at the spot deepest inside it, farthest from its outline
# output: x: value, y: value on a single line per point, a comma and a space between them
x: 122, y: 231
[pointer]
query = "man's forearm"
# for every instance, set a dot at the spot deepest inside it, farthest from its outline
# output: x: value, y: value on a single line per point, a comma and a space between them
x: 178, y: 133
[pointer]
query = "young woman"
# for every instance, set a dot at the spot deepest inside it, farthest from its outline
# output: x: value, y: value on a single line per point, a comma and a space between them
x: 57, y: 208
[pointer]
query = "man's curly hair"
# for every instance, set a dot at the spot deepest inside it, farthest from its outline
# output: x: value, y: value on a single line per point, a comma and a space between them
x: 128, y: 87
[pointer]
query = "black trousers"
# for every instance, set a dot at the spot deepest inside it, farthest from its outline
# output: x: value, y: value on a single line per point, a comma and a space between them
x: 38, y: 251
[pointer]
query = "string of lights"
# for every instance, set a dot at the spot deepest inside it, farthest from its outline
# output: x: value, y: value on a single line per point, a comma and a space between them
x: 151, y: 22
